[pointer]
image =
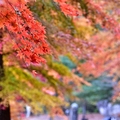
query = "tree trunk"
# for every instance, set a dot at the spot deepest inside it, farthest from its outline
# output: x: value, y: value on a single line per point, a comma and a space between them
x: 4, y: 112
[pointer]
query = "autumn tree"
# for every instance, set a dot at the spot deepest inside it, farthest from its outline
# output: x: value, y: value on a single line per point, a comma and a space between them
x: 14, y: 19
x: 71, y: 27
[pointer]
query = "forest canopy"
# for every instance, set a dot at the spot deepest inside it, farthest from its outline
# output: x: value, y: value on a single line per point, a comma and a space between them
x: 49, y: 48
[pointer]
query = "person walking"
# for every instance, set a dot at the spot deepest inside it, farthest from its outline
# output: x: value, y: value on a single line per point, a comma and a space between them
x: 28, y: 111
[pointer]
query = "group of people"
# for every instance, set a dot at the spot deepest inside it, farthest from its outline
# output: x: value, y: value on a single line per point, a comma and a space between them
x: 108, y: 110
x: 105, y: 108
x: 72, y: 112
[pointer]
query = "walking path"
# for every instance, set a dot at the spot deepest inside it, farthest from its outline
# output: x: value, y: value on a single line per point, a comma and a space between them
x: 46, y: 117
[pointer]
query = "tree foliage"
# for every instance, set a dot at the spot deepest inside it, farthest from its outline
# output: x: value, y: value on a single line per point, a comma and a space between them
x: 82, y: 30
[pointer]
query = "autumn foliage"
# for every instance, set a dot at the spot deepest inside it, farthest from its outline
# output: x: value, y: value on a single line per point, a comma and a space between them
x: 30, y: 42
x: 67, y: 9
x: 92, y: 37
